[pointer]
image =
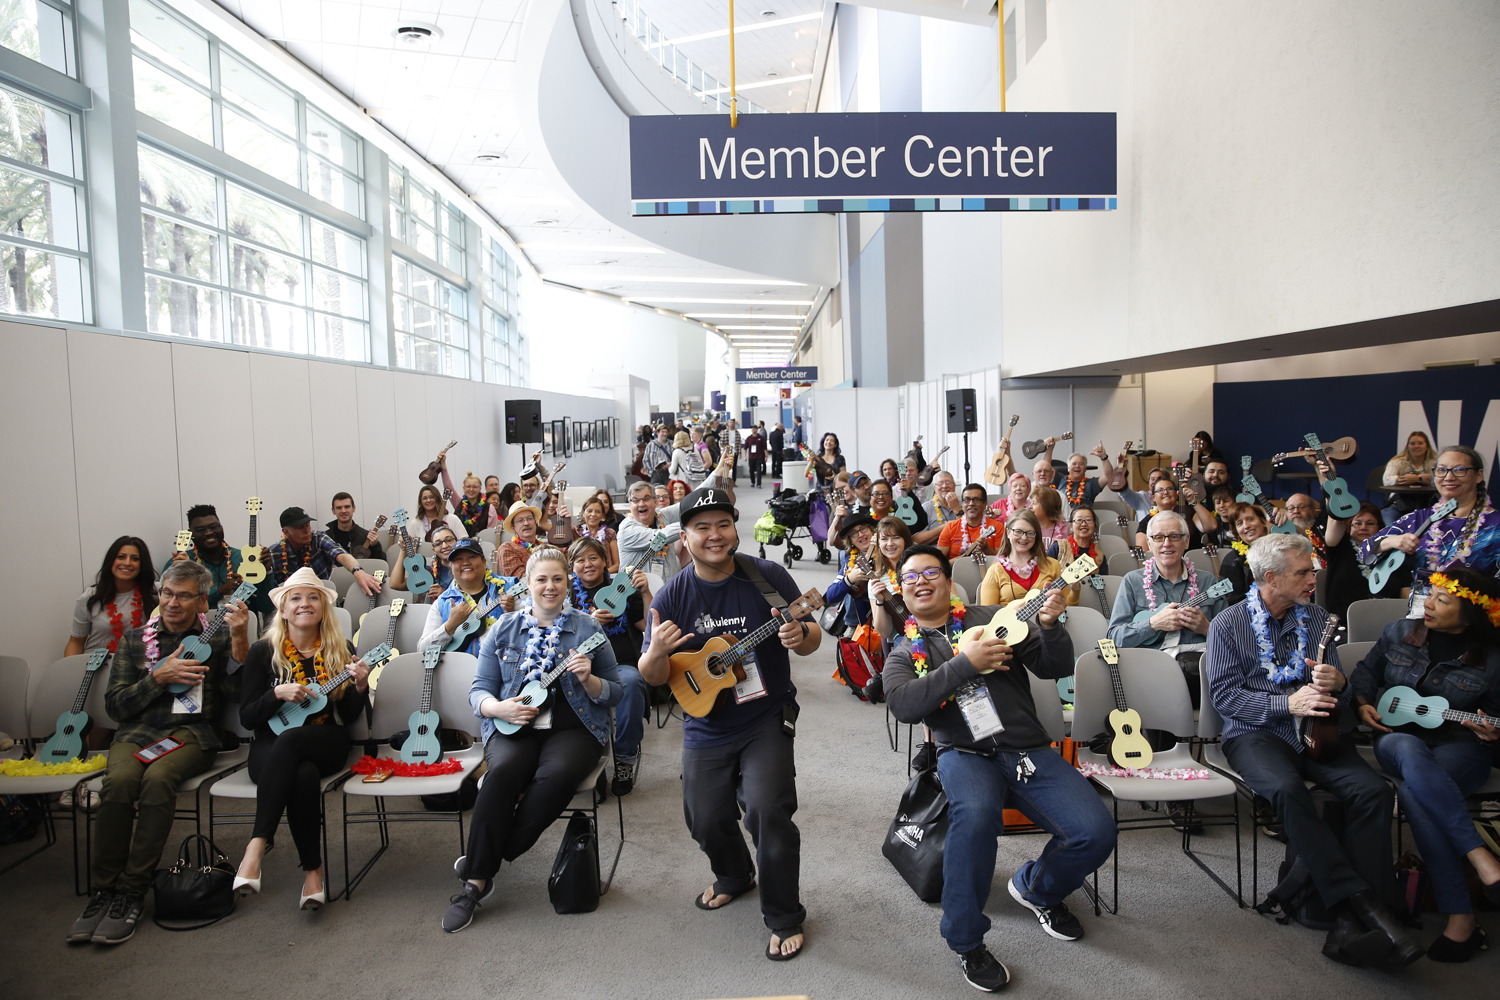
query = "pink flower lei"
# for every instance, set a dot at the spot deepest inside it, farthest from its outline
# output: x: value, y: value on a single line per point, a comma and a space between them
x: 1148, y: 571
x: 153, y: 650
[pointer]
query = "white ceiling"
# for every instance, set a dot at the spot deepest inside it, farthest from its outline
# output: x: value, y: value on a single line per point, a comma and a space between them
x: 452, y: 99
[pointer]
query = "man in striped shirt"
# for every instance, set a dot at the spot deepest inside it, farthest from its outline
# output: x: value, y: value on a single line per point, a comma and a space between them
x: 1261, y: 683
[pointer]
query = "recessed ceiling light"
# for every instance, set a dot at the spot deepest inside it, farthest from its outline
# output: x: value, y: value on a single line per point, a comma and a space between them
x: 416, y: 32
x: 606, y: 262
x: 544, y: 222
x: 492, y: 157
x: 768, y: 13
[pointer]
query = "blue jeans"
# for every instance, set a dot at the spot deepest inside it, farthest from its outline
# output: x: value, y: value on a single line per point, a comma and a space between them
x: 630, y: 712
x: 1057, y: 798
x: 1435, y: 781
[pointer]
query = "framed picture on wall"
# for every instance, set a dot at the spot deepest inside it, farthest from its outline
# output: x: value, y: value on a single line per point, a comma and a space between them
x: 578, y: 437
x: 614, y: 432
x: 562, y: 431
x: 546, y: 438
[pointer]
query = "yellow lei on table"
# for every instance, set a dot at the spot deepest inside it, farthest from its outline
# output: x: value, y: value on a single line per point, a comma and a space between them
x: 32, y: 768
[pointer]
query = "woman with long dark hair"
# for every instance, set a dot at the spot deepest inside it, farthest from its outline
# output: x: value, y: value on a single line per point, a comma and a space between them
x: 122, y: 598
x: 612, y: 517
x: 432, y: 512
x: 829, y: 461
x: 1469, y: 536
x: 1452, y: 652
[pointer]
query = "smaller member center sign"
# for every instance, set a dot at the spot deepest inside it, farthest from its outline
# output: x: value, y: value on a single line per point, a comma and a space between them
x: 805, y: 374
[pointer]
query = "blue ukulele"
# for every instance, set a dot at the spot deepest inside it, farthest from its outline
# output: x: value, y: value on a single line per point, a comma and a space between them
x: 1254, y: 494
x: 67, y: 739
x: 197, y: 647
x: 422, y: 746
x: 539, y: 691
x: 419, y: 578
x: 475, y: 622
x: 1335, y: 491
x: 1400, y: 706
x: 615, y: 595
x: 292, y: 714
x: 1387, y: 565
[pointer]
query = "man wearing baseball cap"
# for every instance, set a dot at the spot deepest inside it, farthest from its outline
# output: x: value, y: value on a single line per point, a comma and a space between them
x: 301, y: 546
x: 473, y: 589
x: 741, y: 751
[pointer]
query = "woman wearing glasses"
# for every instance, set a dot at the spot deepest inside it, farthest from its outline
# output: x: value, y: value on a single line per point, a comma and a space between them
x: 1469, y: 536
x: 1021, y: 565
x: 1164, y: 496
x: 443, y: 539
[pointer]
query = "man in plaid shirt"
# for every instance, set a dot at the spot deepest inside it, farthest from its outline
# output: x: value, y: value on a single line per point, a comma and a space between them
x: 139, y: 801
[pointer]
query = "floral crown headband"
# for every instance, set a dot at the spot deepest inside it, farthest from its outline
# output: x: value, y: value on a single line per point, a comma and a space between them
x: 1489, y: 604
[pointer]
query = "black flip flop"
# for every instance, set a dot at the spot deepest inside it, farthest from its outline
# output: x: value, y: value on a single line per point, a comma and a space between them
x: 777, y: 956
x: 700, y: 904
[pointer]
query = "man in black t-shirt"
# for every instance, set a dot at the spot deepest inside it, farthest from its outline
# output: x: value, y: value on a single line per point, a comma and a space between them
x: 741, y: 751
x: 353, y: 539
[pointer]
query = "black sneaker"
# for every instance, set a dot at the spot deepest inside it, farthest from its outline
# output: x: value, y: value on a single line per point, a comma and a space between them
x: 461, y: 913
x: 1181, y: 820
x: 925, y: 758
x: 625, y: 769
x: 1056, y: 919
x: 875, y: 690
x: 984, y: 971
x: 118, y: 925
x: 88, y: 922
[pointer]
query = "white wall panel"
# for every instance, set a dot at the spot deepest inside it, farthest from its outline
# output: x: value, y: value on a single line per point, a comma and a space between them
x: 412, y: 440
x: 283, y: 432
x: 215, y: 437
x: 377, y: 445
x: 336, y: 438
x: 878, y: 426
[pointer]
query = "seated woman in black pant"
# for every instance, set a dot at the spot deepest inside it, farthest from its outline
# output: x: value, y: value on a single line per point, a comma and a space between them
x: 303, y: 646
x: 558, y: 742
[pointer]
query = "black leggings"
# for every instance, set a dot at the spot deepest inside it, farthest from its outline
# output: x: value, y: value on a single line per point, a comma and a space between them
x: 287, y: 770
x: 547, y: 766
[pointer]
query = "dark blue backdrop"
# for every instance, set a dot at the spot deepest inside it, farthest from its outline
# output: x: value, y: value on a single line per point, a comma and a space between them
x: 1262, y: 418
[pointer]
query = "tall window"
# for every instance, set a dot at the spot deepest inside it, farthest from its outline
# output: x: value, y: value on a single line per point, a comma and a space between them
x: 43, y: 238
x: 40, y: 30
x: 432, y: 330
x: 224, y: 263
x: 424, y: 221
x: 504, y: 362
x: 189, y: 81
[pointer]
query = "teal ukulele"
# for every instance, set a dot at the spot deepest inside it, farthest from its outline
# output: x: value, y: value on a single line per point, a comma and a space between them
x: 475, y: 622
x: 1401, y: 706
x: 292, y: 714
x: 197, y: 647
x: 1341, y: 504
x: 538, y: 693
x: 1254, y: 494
x: 422, y: 746
x: 419, y: 578
x: 67, y: 739
x: 615, y: 595
x: 1394, y: 558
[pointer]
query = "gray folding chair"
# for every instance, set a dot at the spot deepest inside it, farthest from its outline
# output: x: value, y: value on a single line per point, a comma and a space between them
x: 1201, y: 561
x: 1085, y: 625
x: 376, y: 628
x: 488, y: 535
x: 1155, y: 688
x: 400, y: 695
x: 345, y: 621
x: 410, y: 626
x: 371, y: 565
x: 1109, y: 543
x: 1367, y: 619
x: 1320, y: 595
x: 1122, y: 562
x: 341, y: 578
x: 968, y: 574
x: 1099, y: 596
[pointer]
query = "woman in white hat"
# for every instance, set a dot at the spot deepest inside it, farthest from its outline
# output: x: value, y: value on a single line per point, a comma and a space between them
x: 304, y: 645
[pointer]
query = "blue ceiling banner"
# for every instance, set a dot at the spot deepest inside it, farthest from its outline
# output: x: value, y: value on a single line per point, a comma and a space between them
x: 882, y: 162
x: 806, y: 373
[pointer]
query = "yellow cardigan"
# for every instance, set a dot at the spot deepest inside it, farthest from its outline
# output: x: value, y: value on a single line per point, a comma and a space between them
x: 998, y: 588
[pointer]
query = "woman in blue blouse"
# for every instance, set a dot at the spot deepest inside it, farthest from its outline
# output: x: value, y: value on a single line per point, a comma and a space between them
x: 1452, y: 652
x: 559, y: 742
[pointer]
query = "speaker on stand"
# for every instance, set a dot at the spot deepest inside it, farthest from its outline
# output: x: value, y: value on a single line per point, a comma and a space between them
x: 523, y: 425
x: 962, y: 419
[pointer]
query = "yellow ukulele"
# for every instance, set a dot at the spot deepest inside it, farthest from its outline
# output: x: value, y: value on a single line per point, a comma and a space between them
x: 251, y: 570
x: 184, y: 541
x: 697, y: 676
x: 1127, y: 747
x: 1010, y: 622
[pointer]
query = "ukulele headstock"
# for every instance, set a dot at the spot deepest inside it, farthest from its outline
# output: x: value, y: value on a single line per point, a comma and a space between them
x: 253, y: 506
x: 1109, y: 652
x: 380, y: 522
x: 395, y: 608
x: 184, y: 541
x: 430, y: 656
x: 804, y: 605
x: 399, y: 518
x: 96, y: 659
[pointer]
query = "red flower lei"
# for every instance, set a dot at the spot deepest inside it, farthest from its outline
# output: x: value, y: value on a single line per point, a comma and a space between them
x: 117, y: 620
x: 401, y: 769
x: 1083, y: 487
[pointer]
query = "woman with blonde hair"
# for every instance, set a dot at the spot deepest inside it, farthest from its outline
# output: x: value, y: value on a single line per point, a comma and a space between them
x: 687, y: 465
x: 1020, y: 566
x: 304, y: 645
x: 1410, y: 468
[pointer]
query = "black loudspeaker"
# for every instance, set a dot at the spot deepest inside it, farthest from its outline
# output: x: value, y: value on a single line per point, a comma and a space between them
x: 523, y: 421
x: 961, y: 415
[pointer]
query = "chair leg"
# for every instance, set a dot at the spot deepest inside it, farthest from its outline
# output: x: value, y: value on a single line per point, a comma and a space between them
x: 49, y: 839
x: 620, y: 807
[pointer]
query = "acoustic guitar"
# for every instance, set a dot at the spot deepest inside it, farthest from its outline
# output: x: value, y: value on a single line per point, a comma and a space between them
x: 393, y: 611
x: 1127, y: 747
x: 1401, y: 706
x: 251, y: 569
x: 1001, y: 465
x: 292, y: 714
x: 474, y: 624
x: 697, y: 676
x: 1171, y: 640
x: 1011, y: 623
x: 196, y: 647
x: 538, y: 692
x: 1031, y: 449
x: 66, y: 741
x: 422, y: 745
x: 1320, y: 734
x: 614, y: 596
x: 419, y: 578
x: 1392, y: 560
x: 1341, y: 503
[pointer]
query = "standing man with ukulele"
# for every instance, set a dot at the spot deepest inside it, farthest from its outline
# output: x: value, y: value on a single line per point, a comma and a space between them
x: 741, y: 752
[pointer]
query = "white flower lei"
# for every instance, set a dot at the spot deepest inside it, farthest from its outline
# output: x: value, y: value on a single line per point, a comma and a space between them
x: 541, y: 645
x: 1260, y: 623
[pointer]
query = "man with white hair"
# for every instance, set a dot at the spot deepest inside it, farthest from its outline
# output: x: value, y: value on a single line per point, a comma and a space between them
x: 942, y: 508
x: 1163, y: 585
x: 1262, y: 679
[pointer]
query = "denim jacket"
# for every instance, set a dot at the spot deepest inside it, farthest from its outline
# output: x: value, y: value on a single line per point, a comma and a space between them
x: 1399, y: 658
x: 499, y: 674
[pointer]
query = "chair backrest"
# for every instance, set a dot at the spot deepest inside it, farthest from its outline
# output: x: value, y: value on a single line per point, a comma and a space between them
x: 966, y: 573
x: 345, y: 621
x: 371, y: 565
x: 356, y: 601
x: 57, y: 690
x: 1320, y: 596
x: 1154, y: 687
x: 401, y: 693
x: 426, y: 549
x: 1109, y: 543
x: 488, y: 535
x: 1210, y: 723
x: 1350, y: 653
x: 1367, y: 619
x: 1122, y: 562
x: 489, y: 550
x: 1049, y: 710
x: 15, y: 680
x: 410, y: 626
x: 1085, y: 625
x: 373, y: 631
x: 1201, y: 561
x: 654, y: 579
x: 962, y: 592
x: 341, y: 578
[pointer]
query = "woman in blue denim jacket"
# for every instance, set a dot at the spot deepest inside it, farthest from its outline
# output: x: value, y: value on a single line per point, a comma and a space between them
x: 559, y: 743
x: 1454, y: 653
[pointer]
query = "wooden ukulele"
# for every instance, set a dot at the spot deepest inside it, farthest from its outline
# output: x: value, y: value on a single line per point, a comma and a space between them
x: 1320, y: 733
x: 975, y: 550
x: 930, y: 470
x: 1192, y: 478
x: 419, y: 579
x: 430, y: 474
x: 1011, y: 622
x: 1212, y: 551
x: 422, y: 745
x: 697, y: 676
x: 1127, y: 747
x: 66, y: 741
x: 1001, y: 466
x: 1121, y: 478
x: 251, y: 569
x: 1341, y: 450
x: 292, y: 714
x: 561, y: 532
x: 1031, y: 449
x: 539, y: 692
x: 393, y: 611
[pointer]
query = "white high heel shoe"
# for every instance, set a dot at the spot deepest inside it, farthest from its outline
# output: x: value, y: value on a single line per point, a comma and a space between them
x: 314, y: 901
x: 246, y: 886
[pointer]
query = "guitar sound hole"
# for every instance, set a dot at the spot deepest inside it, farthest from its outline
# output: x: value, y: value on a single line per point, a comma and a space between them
x: 526, y: 700
x: 68, y: 730
x: 421, y: 730
x: 716, y: 668
x: 1132, y: 753
x: 1127, y: 729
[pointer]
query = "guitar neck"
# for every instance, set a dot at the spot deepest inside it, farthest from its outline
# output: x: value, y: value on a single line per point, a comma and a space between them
x: 214, y: 624
x: 737, y: 652
x: 83, y: 690
x: 390, y: 632
x: 1033, y: 607
x: 251, y: 543
x: 1115, y: 682
x: 336, y: 679
x: 426, y: 705
x: 587, y: 646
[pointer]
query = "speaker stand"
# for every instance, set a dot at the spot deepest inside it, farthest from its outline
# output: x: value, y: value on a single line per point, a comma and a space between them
x: 966, y: 458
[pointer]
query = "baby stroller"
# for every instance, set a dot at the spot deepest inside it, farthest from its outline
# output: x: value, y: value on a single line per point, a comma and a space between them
x: 788, y: 515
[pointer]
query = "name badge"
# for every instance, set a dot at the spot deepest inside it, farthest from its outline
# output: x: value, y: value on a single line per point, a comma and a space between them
x: 1418, y: 603
x: 979, y: 710
x: 189, y: 702
x: 752, y: 687
x: 543, y: 719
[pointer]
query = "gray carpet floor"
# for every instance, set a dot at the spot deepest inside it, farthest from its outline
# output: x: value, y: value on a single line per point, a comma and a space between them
x: 1177, y: 935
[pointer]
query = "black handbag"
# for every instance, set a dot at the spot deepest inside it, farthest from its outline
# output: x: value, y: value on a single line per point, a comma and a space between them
x: 573, y: 885
x: 202, y: 893
x: 831, y: 620
x: 914, y: 843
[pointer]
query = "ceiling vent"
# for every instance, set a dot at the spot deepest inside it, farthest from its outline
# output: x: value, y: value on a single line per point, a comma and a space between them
x: 417, y: 33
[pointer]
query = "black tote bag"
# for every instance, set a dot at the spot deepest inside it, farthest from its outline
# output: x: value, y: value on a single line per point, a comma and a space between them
x: 914, y: 843
x: 574, y: 884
